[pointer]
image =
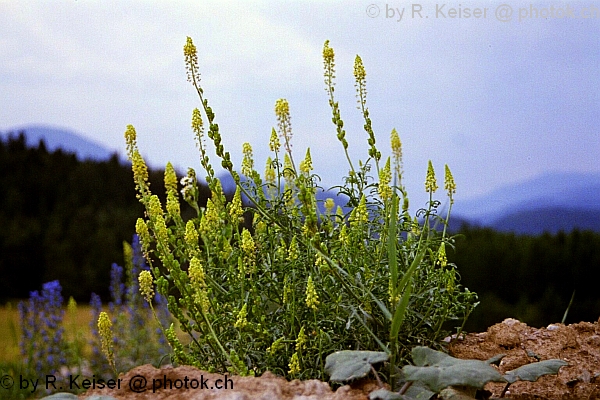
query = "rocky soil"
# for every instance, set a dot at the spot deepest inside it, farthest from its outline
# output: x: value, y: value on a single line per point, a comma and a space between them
x: 577, y: 344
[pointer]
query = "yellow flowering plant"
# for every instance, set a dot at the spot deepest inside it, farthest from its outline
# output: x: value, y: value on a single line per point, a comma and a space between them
x: 300, y: 278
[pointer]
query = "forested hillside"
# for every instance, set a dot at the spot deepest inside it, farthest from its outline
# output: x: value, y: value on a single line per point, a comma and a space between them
x: 63, y: 219
x: 531, y: 278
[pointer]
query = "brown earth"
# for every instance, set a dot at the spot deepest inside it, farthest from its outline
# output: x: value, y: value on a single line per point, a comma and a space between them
x: 577, y: 344
x: 267, y: 387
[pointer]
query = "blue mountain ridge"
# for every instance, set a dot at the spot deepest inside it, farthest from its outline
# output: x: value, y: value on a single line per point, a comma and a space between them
x: 550, y: 202
x: 60, y: 138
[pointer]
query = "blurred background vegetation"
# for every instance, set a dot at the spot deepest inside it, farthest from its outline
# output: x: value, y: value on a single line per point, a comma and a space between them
x: 65, y: 219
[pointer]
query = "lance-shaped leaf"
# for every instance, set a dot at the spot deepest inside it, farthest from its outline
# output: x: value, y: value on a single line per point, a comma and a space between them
x: 531, y: 372
x: 346, y: 365
x: 439, y: 370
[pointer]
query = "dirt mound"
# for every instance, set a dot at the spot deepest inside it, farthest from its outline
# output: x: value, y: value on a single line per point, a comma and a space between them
x: 168, y: 383
x: 577, y: 344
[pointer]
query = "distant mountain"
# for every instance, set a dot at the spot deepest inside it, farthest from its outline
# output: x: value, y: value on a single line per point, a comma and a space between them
x: 60, y: 138
x: 550, y: 220
x: 549, y: 202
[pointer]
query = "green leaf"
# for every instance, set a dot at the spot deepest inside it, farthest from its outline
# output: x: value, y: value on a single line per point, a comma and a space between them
x: 531, y: 372
x: 424, y: 356
x: 440, y: 371
x: 405, y: 287
x: 384, y: 394
x: 346, y: 365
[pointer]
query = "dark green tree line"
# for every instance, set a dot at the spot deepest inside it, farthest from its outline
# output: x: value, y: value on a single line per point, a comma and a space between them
x: 64, y: 219
x: 529, y: 278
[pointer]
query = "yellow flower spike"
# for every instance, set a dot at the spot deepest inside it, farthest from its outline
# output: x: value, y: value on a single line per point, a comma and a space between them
x: 196, y: 274
x: 284, y: 122
x: 329, y: 204
x: 282, y: 109
x: 274, y: 144
x: 191, y: 61
x: 312, y: 299
x: 211, y: 221
x: 294, y: 365
x: 146, y: 285
x: 385, y: 177
x: 293, y: 251
x: 160, y: 230
x: 235, y: 207
x: 248, y: 161
x: 197, y: 123
x: 249, y: 248
x: 320, y: 263
x: 430, y: 182
x: 360, y: 215
x: 360, y: 76
x: 396, y: 145
x: 131, y: 141
x: 198, y: 283
x: 106, y: 337
x: 179, y: 354
x: 442, y: 260
x: 288, y: 170
x: 241, y: 321
x: 275, y: 347
x: 449, y: 184
x: 191, y: 235
x: 329, y: 60
x: 270, y: 172
x: 170, y: 179
x: 301, y: 340
x: 154, y: 207
x: 172, y: 204
x: 140, y: 171
x: 306, y: 164
x: 142, y: 231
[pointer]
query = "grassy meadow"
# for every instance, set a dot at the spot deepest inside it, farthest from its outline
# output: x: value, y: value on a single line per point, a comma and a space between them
x: 76, y: 325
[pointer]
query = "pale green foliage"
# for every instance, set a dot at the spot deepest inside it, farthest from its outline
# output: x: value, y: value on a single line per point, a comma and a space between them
x: 434, y: 372
x: 346, y: 365
x: 305, y: 281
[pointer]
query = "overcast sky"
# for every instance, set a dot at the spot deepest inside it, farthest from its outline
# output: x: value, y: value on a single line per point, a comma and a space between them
x: 499, y: 102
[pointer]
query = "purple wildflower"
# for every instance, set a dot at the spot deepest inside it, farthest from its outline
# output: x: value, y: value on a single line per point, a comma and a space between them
x: 42, y: 344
